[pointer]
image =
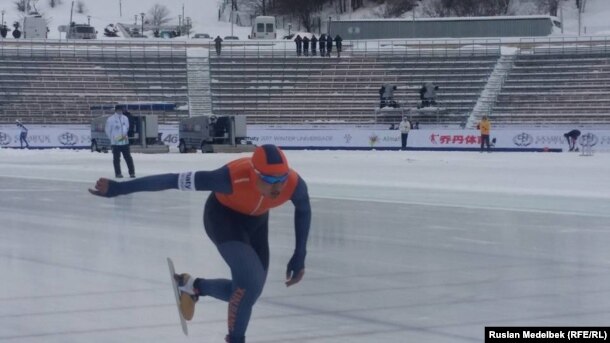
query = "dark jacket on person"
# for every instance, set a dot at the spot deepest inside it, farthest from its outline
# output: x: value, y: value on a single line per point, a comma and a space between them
x: 338, y: 43
x: 299, y: 42
x: 305, y: 43
x: 572, y: 134
x: 217, y: 44
x: 329, y: 43
x: 422, y: 91
x: 322, y: 42
x: 314, y: 43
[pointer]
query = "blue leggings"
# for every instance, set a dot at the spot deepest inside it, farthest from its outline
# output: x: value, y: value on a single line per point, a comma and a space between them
x: 242, y: 241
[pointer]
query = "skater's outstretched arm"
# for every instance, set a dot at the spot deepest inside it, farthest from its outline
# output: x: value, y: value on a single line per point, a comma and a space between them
x: 302, y: 221
x: 218, y: 180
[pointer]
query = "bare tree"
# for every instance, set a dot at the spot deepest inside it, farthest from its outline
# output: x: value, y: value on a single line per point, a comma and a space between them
x: 394, y: 8
x: 257, y: 7
x: 356, y: 4
x: 23, y: 6
x: 549, y: 6
x: 302, y: 9
x: 33, y: 4
x: 158, y: 15
x: 466, y: 8
x: 53, y: 3
x: 80, y: 7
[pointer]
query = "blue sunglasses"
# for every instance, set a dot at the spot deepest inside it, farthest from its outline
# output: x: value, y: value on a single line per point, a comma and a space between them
x: 272, y: 179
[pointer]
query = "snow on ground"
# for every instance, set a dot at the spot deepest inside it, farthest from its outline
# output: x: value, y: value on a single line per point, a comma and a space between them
x: 204, y: 15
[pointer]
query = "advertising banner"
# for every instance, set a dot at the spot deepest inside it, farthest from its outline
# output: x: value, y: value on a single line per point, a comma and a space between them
x: 79, y: 137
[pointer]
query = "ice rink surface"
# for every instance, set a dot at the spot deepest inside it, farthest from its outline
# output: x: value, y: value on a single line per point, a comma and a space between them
x: 404, y: 247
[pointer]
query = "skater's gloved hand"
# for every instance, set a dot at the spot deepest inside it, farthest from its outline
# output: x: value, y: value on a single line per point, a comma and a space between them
x: 296, y: 269
x: 105, y: 188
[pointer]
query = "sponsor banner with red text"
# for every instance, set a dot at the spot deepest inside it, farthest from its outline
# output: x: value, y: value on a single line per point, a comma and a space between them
x: 79, y: 136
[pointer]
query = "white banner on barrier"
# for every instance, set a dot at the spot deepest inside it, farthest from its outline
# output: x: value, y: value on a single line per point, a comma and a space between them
x: 47, y: 136
x: 78, y: 136
x: 513, y: 139
x: 346, y: 138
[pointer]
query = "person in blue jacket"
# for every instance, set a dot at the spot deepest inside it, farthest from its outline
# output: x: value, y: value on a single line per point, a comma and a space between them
x: 23, y: 135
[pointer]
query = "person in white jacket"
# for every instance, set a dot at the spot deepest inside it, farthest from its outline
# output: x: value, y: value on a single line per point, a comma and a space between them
x: 116, y: 129
x: 404, y: 127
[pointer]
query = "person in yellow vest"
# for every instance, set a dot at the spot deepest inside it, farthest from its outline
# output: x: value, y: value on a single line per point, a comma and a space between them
x: 485, y: 127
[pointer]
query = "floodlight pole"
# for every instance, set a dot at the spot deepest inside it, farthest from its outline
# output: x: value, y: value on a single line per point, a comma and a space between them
x: 142, y: 15
x: 579, y: 20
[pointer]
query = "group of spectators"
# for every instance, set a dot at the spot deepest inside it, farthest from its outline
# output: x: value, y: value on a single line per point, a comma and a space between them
x: 325, y: 43
x: 427, y: 95
x: 386, y: 96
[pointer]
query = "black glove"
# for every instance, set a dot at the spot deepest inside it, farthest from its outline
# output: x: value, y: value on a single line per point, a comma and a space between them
x: 295, y: 269
x: 296, y: 263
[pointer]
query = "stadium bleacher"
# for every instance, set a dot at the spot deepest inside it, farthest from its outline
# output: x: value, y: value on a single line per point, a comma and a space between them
x: 556, y: 86
x: 59, y: 85
x: 313, y: 89
x: 50, y: 82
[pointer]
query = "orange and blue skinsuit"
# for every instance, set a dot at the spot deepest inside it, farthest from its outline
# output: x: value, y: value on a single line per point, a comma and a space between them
x: 236, y: 217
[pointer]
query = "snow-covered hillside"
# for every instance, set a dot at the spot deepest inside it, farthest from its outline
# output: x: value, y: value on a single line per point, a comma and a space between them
x: 204, y: 15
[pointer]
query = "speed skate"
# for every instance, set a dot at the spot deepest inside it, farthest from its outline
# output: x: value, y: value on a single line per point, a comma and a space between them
x: 177, y: 295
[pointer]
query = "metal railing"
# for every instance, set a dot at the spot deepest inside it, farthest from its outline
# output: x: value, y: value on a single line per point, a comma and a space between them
x: 363, y: 48
x: 564, y: 45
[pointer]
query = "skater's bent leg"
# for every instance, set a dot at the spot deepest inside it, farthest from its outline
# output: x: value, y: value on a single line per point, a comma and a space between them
x: 220, y: 289
x: 248, y: 281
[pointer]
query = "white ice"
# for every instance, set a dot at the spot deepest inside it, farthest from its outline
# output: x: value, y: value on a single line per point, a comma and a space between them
x: 404, y: 247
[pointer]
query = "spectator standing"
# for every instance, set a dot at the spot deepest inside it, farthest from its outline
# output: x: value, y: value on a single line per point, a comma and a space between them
x: 322, y: 43
x: 314, y: 44
x: 218, y: 44
x: 430, y: 94
x: 422, y: 91
x: 388, y: 95
x: 329, y: 45
x: 572, y: 138
x: 117, y: 126
x: 485, y: 128
x: 306, y: 46
x: 381, y: 97
x: 23, y: 135
x: 339, y: 44
x: 299, y: 44
x: 404, y: 127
